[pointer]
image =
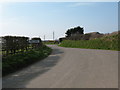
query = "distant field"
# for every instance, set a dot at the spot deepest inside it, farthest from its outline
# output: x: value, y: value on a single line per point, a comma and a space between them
x: 106, y: 42
x: 50, y: 43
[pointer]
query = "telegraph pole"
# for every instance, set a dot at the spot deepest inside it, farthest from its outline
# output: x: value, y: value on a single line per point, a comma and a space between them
x: 44, y: 38
x: 53, y: 35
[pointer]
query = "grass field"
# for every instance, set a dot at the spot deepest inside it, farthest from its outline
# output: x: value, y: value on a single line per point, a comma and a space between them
x: 107, y: 42
x: 50, y: 43
x: 16, y: 62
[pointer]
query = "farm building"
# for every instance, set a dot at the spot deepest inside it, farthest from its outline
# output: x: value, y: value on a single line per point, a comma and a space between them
x: 35, y: 42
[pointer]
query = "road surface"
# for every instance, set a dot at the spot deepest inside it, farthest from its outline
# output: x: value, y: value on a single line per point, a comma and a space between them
x: 69, y: 68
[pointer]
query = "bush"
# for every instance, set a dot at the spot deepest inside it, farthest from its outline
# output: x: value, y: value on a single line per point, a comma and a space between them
x: 16, y: 62
x: 107, y: 42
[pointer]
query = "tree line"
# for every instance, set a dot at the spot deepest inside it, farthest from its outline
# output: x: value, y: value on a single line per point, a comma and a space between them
x: 77, y: 33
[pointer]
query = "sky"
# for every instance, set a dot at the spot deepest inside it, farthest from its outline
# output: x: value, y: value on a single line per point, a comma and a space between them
x: 36, y: 19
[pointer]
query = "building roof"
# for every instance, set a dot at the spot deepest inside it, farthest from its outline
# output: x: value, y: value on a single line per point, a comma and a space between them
x: 34, y: 41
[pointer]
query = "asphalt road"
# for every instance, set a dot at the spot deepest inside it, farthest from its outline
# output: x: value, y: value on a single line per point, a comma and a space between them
x: 69, y: 68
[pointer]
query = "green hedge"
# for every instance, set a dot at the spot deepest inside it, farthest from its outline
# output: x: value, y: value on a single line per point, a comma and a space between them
x: 16, y: 62
x: 106, y: 42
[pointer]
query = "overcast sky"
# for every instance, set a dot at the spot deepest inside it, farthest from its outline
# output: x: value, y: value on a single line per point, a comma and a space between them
x: 42, y: 18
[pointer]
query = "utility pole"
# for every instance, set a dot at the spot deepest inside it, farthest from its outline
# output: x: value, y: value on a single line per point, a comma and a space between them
x: 53, y: 35
x: 44, y: 38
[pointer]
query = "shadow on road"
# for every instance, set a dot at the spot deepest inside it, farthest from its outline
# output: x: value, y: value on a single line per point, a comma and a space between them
x: 21, y: 78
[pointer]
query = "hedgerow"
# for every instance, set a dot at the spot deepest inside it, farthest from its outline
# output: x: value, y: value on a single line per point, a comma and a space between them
x: 18, y: 61
x: 106, y: 42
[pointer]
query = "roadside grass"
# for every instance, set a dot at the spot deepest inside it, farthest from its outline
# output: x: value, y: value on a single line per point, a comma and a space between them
x: 106, y: 42
x: 50, y: 43
x: 16, y: 62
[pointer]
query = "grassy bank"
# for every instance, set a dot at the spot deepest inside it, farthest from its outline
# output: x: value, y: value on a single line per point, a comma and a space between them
x: 109, y: 42
x: 16, y: 62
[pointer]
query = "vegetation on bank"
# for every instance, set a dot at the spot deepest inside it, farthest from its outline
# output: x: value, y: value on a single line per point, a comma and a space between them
x: 109, y: 42
x: 51, y: 42
x: 16, y: 62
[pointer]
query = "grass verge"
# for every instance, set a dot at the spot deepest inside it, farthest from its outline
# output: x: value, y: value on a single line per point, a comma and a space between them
x: 50, y: 43
x: 16, y: 62
x: 107, y: 43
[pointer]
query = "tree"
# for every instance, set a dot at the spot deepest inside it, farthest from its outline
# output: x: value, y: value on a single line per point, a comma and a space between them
x: 80, y: 30
x: 74, y: 30
x: 68, y: 33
